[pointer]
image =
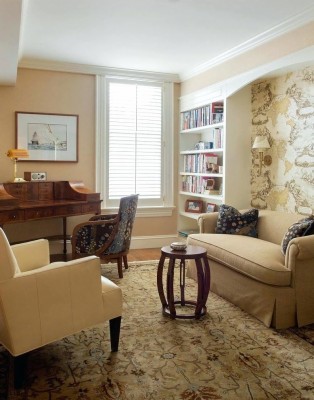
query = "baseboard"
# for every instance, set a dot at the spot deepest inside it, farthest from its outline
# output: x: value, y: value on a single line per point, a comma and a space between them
x: 152, y: 242
x: 137, y: 242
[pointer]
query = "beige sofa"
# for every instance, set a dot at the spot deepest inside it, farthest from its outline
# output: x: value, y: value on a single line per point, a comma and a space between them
x: 253, y: 274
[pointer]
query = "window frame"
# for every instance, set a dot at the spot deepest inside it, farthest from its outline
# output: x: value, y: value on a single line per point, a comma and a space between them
x: 102, y: 140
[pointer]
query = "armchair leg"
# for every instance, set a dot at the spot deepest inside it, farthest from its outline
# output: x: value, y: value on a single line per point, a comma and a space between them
x: 125, y: 262
x: 119, y: 260
x: 115, y: 324
x: 19, y: 367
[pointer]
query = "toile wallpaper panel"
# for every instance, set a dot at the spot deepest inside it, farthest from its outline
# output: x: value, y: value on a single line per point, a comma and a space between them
x: 283, y: 110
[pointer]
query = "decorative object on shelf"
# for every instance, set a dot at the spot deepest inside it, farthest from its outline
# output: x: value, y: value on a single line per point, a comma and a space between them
x: 210, y: 207
x: 15, y: 155
x: 48, y: 137
x: 194, y: 206
x: 208, y: 145
x: 260, y: 144
x: 210, y: 184
x: 213, y: 168
x: 199, y: 145
x: 179, y: 246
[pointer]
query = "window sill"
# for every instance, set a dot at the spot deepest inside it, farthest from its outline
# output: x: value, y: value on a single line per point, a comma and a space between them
x: 145, y: 212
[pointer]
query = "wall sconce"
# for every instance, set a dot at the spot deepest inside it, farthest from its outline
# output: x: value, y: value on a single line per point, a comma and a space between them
x: 261, y: 143
x: 15, y: 154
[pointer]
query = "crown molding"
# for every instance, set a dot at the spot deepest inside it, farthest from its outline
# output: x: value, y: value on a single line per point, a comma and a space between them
x: 290, y: 24
x: 97, y: 70
x: 228, y: 87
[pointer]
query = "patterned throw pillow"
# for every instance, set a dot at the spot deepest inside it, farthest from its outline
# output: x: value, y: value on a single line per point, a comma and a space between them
x: 231, y: 221
x: 304, y: 227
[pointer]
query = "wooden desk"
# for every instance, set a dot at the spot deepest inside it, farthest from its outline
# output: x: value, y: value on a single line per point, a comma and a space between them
x: 28, y: 201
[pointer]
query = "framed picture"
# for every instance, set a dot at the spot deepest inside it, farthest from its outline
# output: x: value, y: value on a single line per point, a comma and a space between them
x: 47, y: 137
x: 210, y: 207
x: 210, y: 184
x: 194, y: 206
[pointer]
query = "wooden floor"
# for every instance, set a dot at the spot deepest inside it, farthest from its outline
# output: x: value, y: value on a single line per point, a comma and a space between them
x: 144, y: 254
x: 134, y: 255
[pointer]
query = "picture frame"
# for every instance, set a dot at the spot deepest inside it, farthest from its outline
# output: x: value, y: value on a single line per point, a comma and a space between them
x: 210, y: 207
x: 210, y: 183
x: 47, y: 137
x: 193, y: 206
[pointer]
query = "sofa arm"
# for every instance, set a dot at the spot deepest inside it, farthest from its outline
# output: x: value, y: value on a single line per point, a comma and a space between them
x: 300, y: 248
x: 31, y: 255
x: 300, y: 260
x: 207, y: 222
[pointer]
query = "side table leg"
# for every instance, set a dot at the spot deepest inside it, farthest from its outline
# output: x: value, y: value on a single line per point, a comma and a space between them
x: 201, y: 301
x: 159, y: 281
x: 182, y: 281
x: 170, y: 294
x: 206, y: 270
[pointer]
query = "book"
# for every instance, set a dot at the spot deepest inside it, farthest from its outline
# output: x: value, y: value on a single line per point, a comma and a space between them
x: 187, y: 232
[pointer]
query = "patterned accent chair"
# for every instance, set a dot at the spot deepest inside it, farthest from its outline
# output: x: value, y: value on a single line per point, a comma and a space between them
x: 107, y: 236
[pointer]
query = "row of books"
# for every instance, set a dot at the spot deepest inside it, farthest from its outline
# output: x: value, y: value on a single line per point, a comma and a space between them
x: 216, y: 137
x: 196, y: 184
x: 199, y: 163
x: 203, y: 116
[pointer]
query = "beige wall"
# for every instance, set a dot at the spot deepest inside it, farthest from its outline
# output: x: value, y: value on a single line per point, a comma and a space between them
x: 64, y: 93
x: 282, y: 46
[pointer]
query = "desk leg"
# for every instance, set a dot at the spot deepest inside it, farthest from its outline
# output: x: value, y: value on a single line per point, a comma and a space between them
x: 64, y: 225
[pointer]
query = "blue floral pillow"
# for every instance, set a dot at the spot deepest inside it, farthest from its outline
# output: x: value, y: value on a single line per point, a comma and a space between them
x: 231, y: 221
x: 304, y: 227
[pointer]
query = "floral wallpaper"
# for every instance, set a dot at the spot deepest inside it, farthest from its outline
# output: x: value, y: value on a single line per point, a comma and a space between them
x: 283, y: 111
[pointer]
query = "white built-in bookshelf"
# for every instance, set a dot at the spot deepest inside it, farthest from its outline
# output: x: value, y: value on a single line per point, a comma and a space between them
x: 214, y: 155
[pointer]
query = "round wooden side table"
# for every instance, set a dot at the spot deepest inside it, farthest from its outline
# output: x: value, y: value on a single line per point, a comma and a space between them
x: 198, y: 254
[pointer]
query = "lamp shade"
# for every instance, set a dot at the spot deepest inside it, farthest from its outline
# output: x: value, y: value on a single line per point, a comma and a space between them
x: 261, y: 142
x: 17, y: 153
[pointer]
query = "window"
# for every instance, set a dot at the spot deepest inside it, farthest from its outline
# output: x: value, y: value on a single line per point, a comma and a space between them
x: 135, y: 145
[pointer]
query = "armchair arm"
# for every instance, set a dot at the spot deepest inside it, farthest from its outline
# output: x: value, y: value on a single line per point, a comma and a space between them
x: 93, y: 236
x: 31, y: 255
x: 103, y: 217
x: 207, y: 222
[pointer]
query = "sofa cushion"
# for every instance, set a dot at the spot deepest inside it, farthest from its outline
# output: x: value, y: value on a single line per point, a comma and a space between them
x: 256, y: 258
x: 303, y: 227
x: 231, y: 221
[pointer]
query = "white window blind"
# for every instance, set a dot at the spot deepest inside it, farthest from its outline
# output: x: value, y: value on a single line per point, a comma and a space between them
x: 134, y: 123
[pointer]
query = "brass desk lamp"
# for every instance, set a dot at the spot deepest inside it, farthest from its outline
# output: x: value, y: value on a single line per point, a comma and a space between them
x: 15, y: 154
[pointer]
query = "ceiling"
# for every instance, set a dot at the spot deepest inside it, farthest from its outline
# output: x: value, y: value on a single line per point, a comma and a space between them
x: 171, y: 36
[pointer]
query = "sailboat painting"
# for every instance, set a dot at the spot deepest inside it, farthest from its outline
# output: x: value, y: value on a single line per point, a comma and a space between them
x: 48, y: 137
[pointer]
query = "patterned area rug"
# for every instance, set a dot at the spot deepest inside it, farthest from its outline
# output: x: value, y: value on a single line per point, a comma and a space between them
x: 225, y: 355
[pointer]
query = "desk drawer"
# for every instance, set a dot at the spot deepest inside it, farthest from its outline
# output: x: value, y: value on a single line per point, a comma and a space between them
x: 92, y: 208
x: 35, y: 213
x: 71, y: 209
x: 11, y: 216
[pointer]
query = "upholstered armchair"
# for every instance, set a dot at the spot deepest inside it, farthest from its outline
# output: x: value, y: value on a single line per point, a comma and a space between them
x: 107, y: 236
x: 42, y: 302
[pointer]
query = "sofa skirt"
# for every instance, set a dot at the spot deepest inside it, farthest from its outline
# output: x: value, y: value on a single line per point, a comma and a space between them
x: 273, y: 305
